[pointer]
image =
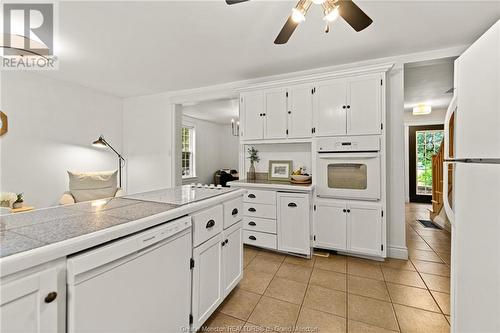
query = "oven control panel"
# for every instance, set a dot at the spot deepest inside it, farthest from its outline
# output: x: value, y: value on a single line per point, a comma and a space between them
x: 349, y: 143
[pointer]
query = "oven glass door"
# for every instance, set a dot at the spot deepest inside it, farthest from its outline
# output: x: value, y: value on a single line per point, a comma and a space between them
x: 351, y: 175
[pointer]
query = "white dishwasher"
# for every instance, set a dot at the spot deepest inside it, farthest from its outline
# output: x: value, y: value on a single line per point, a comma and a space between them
x: 139, y: 284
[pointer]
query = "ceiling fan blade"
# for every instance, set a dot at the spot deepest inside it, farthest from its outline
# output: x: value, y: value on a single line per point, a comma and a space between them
x: 353, y: 15
x: 233, y: 2
x: 287, y: 31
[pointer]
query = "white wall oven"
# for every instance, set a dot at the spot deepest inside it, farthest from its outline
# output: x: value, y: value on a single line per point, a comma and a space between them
x: 349, y: 168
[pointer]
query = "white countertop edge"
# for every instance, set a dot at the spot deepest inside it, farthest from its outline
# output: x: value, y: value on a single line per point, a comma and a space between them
x: 41, y: 255
x: 294, y: 188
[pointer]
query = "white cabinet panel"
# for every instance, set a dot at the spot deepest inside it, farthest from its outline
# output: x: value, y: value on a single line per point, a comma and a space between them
x: 232, y: 258
x: 300, y: 111
x: 207, y: 223
x: 364, y: 109
x: 258, y: 224
x: 330, y: 108
x: 35, y: 303
x: 293, y: 223
x: 364, y: 228
x: 275, y: 113
x: 252, y: 108
x: 208, y: 290
x: 260, y: 196
x: 330, y: 225
x: 260, y: 239
x: 260, y: 210
x: 233, y: 212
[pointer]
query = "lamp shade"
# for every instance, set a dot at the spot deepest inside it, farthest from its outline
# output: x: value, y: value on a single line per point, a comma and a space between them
x: 99, y: 143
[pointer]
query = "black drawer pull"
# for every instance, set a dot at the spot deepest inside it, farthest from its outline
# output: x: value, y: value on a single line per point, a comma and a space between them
x: 251, y: 196
x: 226, y: 241
x: 252, y: 238
x: 234, y: 212
x: 50, y: 297
x: 348, y: 210
x: 292, y: 204
x: 252, y: 209
x: 210, y: 224
x: 344, y: 210
x: 252, y: 223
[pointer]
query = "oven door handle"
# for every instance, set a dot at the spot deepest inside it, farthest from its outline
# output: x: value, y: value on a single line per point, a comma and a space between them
x: 348, y: 156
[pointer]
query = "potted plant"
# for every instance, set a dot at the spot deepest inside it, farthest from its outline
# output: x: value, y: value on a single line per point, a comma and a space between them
x: 19, y: 202
x: 254, y: 158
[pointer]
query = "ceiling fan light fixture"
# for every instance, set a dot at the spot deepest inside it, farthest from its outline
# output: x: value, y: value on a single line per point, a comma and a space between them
x: 422, y: 109
x: 331, y: 13
x: 318, y: 2
x: 298, y: 15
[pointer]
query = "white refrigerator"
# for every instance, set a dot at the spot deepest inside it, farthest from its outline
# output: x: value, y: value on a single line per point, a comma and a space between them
x: 471, y: 186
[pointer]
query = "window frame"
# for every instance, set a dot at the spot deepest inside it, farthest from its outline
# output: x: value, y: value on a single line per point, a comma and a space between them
x: 192, y: 150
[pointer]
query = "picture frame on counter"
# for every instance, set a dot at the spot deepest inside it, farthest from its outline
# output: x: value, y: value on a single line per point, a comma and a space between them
x: 279, y: 170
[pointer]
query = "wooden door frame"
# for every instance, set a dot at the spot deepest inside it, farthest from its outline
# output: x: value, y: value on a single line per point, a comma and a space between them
x: 412, y: 165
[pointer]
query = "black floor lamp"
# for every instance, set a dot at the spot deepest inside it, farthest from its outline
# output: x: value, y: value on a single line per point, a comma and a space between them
x: 102, y: 143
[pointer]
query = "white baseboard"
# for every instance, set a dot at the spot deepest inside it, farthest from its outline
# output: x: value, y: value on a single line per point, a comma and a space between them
x: 397, y: 252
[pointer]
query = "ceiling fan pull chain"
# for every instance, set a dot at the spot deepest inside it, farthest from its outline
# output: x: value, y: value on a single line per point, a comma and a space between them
x: 327, y: 28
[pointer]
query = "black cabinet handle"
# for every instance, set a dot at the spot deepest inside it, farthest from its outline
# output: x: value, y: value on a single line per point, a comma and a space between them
x: 343, y: 106
x: 289, y: 112
x: 251, y: 209
x: 234, y: 212
x: 344, y: 210
x: 252, y: 223
x: 210, y: 224
x: 292, y: 204
x: 264, y: 114
x: 226, y: 241
x: 348, y: 106
x: 50, y: 297
x: 223, y: 243
x: 252, y: 238
x: 251, y: 196
x: 348, y: 210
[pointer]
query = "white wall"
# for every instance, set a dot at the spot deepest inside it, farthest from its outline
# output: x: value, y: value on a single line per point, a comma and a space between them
x: 435, y: 118
x: 148, y: 126
x: 215, y: 149
x: 51, y: 127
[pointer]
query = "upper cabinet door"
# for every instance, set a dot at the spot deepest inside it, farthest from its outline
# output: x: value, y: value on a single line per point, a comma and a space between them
x: 275, y: 113
x: 330, y: 108
x: 364, y: 107
x: 300, y: 110
x: 252, y: 110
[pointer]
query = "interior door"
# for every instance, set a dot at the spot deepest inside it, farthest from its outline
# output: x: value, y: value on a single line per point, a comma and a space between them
x: 330, y: 225
x: 232, y: 254
x: 330, y: 102
x: 275, y: 113
x: 424, y: 141
x: 364, y: 107
x: 253, y: 109
x: 364, y: 233
x: 300, y: 111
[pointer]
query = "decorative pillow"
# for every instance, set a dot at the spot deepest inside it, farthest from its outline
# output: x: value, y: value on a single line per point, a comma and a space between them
x: 86, y: 186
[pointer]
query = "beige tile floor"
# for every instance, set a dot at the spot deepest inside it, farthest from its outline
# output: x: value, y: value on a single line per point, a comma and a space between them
x: 344, y: 294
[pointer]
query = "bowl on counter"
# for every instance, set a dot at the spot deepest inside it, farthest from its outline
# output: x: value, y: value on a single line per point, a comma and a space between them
x: 301, y: 178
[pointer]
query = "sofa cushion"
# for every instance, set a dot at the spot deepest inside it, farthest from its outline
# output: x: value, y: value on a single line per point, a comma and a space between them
x: 86, y: 186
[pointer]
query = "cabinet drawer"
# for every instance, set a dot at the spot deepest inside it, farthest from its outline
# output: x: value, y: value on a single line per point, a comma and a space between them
x: 258, y: 224
x: 233, y: 212
x: 207, y: 224
x: 261, y: 239
x: 259, y: 210
x: 260, y: 196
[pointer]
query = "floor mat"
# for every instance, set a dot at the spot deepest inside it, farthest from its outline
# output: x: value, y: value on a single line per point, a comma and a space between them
x: 429, y: 224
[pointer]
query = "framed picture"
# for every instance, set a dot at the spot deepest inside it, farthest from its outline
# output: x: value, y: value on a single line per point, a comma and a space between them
x: 279, y: 170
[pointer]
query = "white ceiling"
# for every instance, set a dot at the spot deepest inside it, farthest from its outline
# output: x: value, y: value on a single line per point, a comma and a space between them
x: 136, y: 48
x: 428, y: 83
x: 217, y: 111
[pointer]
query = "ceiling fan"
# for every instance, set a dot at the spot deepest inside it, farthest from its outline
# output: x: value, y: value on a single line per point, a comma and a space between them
x: 332, y: 9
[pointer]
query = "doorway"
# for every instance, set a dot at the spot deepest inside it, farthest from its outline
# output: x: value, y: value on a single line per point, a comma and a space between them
x: 424, y: 142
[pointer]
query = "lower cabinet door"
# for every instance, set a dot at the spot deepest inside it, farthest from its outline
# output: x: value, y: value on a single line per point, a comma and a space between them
x: 35, y: 303
x: 232, y: 257
x: 208, y: 291
x: 364, y: 228
x: 330, y: 225
x: 294, y: 232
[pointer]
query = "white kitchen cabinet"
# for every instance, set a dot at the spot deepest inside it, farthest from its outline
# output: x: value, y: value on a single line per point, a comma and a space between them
x: 364, y: 223
x: 330, y: 100
x: 232, y: 257
x: 252, y: 111
x: 35, y: 302
x: 293, y: 223
x: 208, y: 290
x: 300, y: 111
x: 364, y: 106
x: 275, y: 113
x: 330, y: 225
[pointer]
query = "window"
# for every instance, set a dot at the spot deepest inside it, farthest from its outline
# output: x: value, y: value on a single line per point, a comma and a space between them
x: 188, y: 161
x: 428, y: 143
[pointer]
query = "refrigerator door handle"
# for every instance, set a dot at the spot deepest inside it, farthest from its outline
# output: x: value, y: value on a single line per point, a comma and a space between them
x: 449, y: 113
x: 446, y: 199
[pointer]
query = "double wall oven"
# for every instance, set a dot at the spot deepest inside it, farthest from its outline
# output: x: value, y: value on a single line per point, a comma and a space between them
x: 349, y: 168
